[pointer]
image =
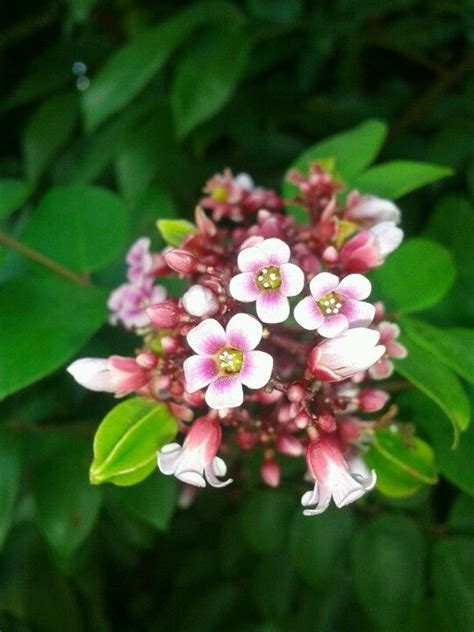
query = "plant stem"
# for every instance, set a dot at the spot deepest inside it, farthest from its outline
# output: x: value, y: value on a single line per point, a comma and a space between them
x: 42, y: 260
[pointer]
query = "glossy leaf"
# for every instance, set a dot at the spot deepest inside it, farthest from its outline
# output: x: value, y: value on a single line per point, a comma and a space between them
x: 92, y: 223
x: 402, y: 463
x: 13, y: 193
x: 461, y: 515
x: 394, y: 179
x: 10, y: 459
x: 53, y: 319
x: 274, y: 586
x: 127, y: 440
x: 388, y: 557
x: 416, y: 276
x: 174, y: 231
x: 152, y: 500
x: 265, y: 519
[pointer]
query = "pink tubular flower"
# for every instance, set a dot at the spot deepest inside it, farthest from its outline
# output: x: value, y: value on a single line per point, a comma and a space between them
x: 338, y: 358
x: 195, y: 462
x: 370, y: 248
x: 389, y: 333
x: 140, y: 260
x: 226, y: 360
x: 129, y: 301
x: 334, y: 477
x: 335, y: 305
x: 268, y: 279
x: 116, y: 374
x: 368, y: 210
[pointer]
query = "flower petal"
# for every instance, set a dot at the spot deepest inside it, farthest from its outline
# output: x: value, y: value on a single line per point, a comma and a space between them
x: 199, y: 371
x: 382, y: 369
x: 215, y: 469
x: 273, y: 307
x: 333, y: 326
x: 323, y: 283
x: 243, y: 287
x: 191, y: 478
x: 207, y: 338
x: 92, y: 373
x: 168, y: 458
x: 358, y: 313
x: 277, y: 251
x: 225, y: 392
x: 355, y: 286
x: 308, y: 314
x: 257, y: 369
x: 292, y: 279
x: 252, y: 259
x: 243, y: 332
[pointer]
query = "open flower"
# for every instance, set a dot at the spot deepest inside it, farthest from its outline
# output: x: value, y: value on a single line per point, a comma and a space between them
x: 333, y: 477
x: 267, y: 278
x: 139, y: 259
x: 195, y: 462
x: 128, y: 303
x: 226, y: 360
x: 389, y: 333
x: 337, y: 358
x: 335, y: 305
x: 116, y: 374
x: 370, y: 248
x: 368, y: 210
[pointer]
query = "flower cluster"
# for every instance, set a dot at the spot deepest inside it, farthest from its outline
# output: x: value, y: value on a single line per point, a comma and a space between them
x: 274, y: 346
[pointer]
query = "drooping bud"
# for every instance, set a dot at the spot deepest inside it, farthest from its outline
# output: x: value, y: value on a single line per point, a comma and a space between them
x: 164, y: 314
x: 181, y: 261
x: 270, y: 472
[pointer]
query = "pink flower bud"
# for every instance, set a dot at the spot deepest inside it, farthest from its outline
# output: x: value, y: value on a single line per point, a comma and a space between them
x: 302, y: 420
x: 330, y: 255
x: 181, y: 261
x: 372, y: 399
x: 327, y: 423
x: 200, y: 301
x: 164, y: 314
x: 270, y: 472
x: 296, y: 392
x: 169, y: 344
x: 246, y: 439
x: 204, y: 223
x: 288, y: 444
x: 147, y: 360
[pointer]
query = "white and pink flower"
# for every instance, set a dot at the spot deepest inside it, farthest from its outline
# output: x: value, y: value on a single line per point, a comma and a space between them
x: 268, y: 278
x: 371, y: 247
x: 369, y: 210
x: 140, y: 260
x: 334, y: 477
x: 389, y: 333
x: 196, y: 461
x: 116, y: 374
x: 335, y: 305
x: 128, y: 303
x: 338, y: 358
x: 226, y: 360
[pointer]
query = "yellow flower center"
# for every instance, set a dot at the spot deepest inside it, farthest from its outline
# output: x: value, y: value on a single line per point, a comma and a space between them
x: 330, y: 304
x: 268, y: 278
x: 229, y: 361
x: 219, y: 194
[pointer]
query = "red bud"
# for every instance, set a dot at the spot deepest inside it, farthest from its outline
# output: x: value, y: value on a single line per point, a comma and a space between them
x: 181, y: 261
x: 164, y: 314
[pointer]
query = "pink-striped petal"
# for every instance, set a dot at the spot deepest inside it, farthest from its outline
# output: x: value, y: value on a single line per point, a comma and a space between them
x: 277, y: 251
x: 333, y: 326
x: 273, y: 307
x: 323, y: 283
x: 355, y: 286
x: 225, y: 392
x: 257, y: 369
x: 243, y: 332
x: 243, y: 287
x: 358, y: 313
x: 292, y: 279
x: 199, y: 371
x: 252, y: 259
x: 307, y: 314
x: 207, y: 338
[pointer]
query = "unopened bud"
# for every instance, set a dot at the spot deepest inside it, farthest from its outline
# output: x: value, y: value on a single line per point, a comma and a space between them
x: 169, y: 344
x: 270, y: 472
x: 181, y: 261
x: 200, y: 301
x: 330, y: 255
x: 372, y: 399
x: 204, y: 223
x: 302, y: 419
x: 296, y: 392
x: 147, y: 360
x: 164, y: 314
x: 327, y: 423
x: 245, y: 439
x: 289, y: 445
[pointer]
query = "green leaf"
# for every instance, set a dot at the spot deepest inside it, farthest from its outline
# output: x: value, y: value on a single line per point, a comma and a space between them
x: 67, y: 505
x: 10, y: 462
x: 206, y: 79
x: 461, y: 515
x: 416, y: 276
x: 174, y: 231
x: 394, y: 179
x: 318, y: 545
x: 274, y: 586
x: 127, y: 440
x: 128, y: 70
x: 47, y: 131
x: 82, y: 227
x: 152, y: 500
x: 388, y: 558
x: 53, y: 318
x: 13, y: 193
x: 453, y: 582
x: 450, y: 345
x: 265, y: 519
x: 437, y: 381
x: 402, y: 463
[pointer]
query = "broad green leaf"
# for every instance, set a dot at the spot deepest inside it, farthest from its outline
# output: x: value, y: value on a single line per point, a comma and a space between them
x: 128, y: 70
x: 277, y: 11
x: 461, y: 515
x: 67, y: 504
x: 402, y: 463
x: 10, y: 463
x: 265, y: 519
x: 437, y: 381
x: 53, y: 318
x: 13, y: 193
x: 397, y: 178
x: 47, y: 131
x: 453, y: 582
x: 82, y: 227
x: 127, y: 440
x: 416, y: 276
x: 451, y: 345
x: 152, y: 500
x: 274, y: 586
x: 388, y: 557
x: 174, y: 231
x: 206, y: 78
x: 318, y: 545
